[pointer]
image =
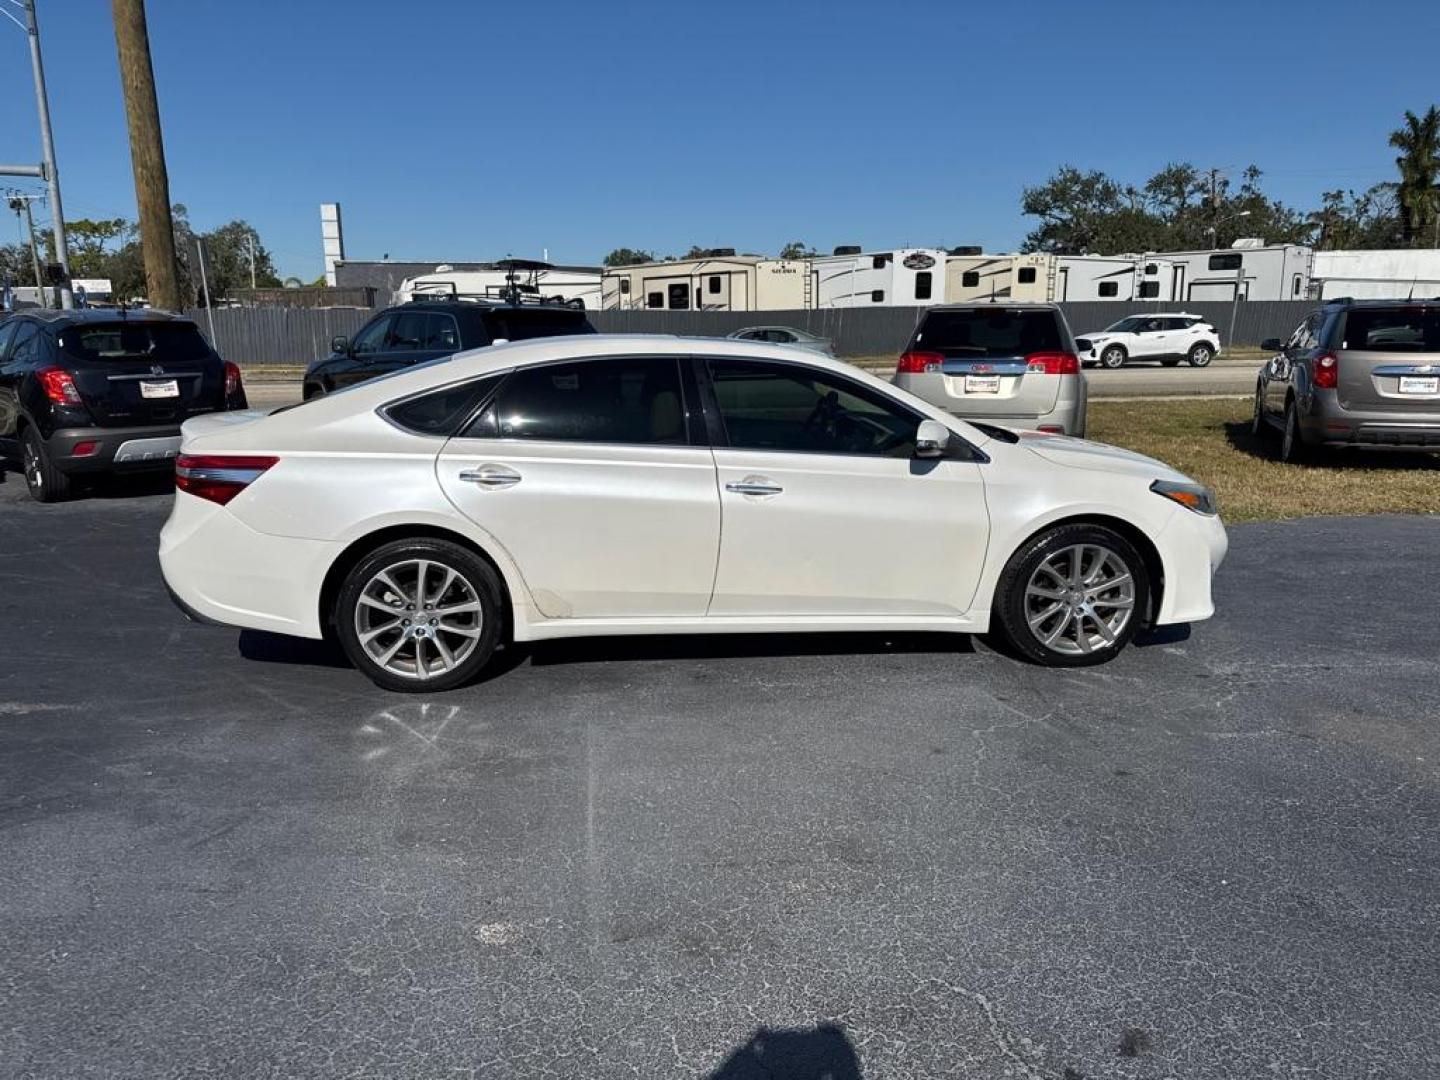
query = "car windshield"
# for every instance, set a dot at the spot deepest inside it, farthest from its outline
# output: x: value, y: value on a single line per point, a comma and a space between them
x: 1415, y: 329
x: 1127, y: 325
x: 137, y: 342
x: 990, y: 332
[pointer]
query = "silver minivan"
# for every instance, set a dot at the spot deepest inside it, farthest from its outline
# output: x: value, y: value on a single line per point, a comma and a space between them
x: 1009, y: 364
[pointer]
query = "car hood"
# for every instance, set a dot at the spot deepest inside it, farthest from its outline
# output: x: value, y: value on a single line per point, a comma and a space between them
x: 1084, y: 454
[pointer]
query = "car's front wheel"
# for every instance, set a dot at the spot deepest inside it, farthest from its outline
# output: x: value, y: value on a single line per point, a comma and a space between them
x: 1073, y: 596
x: 1200, y: 354
x: 46, y: 483
x: 1112, y: 357
x: 420, y: 615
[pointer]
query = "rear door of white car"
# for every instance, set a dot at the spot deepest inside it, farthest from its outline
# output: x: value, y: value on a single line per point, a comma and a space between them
x: 586, y: 474
x: 825, y: 510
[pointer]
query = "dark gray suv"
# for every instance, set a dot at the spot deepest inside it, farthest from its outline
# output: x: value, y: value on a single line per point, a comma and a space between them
x: 1360, y: 373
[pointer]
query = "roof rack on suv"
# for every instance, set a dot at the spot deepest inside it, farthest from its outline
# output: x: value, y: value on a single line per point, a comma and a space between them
x: 521, y: 287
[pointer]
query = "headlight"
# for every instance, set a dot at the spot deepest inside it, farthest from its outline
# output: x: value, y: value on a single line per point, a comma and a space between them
x: 1194, y: 497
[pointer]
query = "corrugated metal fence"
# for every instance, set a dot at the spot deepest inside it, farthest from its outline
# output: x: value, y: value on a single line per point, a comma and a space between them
x: 297, y: 336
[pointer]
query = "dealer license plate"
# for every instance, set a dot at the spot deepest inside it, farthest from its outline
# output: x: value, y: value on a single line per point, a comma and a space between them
x: 982, y: 384
x: 1420, y: 384
x: 160, y: 389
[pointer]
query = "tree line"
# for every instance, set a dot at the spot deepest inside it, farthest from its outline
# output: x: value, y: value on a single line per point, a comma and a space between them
x: 111, y: 248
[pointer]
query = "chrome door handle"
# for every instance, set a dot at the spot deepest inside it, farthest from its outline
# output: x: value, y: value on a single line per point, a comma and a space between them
x: 754, y: 485
x: 491, y: 476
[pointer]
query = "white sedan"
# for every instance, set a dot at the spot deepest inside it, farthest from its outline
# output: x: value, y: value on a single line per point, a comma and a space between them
x: 635, y: 485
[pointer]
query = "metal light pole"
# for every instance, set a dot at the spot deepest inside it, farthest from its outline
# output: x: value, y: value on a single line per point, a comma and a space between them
x: 47, y: 140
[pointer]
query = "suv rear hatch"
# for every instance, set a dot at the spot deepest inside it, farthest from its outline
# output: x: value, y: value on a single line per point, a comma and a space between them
x: 995, y: 360
x: 142, y: 371
x: 1388, y: 359
x: 524, y: 323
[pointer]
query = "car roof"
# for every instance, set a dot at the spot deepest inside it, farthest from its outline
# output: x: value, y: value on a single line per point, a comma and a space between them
x: 107, y: 315
x: 1350, y: 301
x: 987, y: 305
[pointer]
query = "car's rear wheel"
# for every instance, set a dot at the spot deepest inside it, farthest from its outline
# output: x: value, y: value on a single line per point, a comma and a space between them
x: 1112, y: 357
x: 1293, y: 450
x: 46, y: 483
x: 1073, y: 596
x: 420, y: 615
x: 1200, y: 354
x: 1258, y: 425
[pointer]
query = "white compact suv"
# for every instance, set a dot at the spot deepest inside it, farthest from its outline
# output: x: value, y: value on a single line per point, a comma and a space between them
x: 1168, y: 337
x: 592, y: 485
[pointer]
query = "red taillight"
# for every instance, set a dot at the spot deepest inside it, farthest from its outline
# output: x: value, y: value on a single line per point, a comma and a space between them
x: 219, y: 478
x: 59, y: 386
x: 84, y: 449
x: 1327, y: 371
x: 918, y: 363
x: 1052, y: 363
x: 232, y: 379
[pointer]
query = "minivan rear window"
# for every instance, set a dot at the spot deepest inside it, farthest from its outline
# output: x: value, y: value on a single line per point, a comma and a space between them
x: 1415, y: 329
x: 136, y: 342
x: 990, y: 332
x: 522, y: 325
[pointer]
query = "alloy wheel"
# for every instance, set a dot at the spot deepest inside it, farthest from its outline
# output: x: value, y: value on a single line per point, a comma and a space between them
x: 418, y: 618
x: 1112, y: 357
x: 1080, y: 599
x: 1199, y: 356
x: 34, y: 475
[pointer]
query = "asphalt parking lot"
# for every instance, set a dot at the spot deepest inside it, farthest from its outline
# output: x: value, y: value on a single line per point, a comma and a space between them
x: 225, y: 854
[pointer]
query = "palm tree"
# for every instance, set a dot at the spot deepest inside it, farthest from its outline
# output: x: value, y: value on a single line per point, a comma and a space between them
x: 1419, y: 161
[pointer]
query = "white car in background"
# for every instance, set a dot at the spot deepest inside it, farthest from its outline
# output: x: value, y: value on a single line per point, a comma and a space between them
x: 594, y: 485
x: 1168, y: 337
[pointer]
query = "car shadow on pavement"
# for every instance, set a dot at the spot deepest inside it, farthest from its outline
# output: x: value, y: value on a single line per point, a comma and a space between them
x: 820, y: 1053
x: 113, y: 486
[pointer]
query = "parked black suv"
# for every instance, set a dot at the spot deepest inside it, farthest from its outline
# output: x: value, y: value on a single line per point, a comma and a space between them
x: 99, y: 391
x: 429, y: 329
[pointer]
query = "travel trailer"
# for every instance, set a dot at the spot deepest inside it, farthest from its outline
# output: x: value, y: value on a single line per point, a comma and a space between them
x: 722, y: 281
x: 575, y: 285
x: 1254, y: 269
x: 1389, y: 274
x: 904, y: 277
x: 1040, y: 278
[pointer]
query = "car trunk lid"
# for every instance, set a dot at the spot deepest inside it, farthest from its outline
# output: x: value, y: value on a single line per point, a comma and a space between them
x: 140, y: 372
x: 1388, y: 359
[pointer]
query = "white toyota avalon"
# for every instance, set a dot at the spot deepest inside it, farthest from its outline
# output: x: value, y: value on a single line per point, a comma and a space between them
x: 635, y: 485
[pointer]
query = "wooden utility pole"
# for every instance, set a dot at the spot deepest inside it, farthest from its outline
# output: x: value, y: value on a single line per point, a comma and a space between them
x: 147, y: 154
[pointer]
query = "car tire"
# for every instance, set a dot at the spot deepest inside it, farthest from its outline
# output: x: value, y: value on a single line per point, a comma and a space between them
x: 1259, y: 426
x: 46, y: 483
x: 312, y: 391
x: 447, y: 611
x: 1293, y: 450
x: 1200, y: 354
x: 1052, y: 617
x: 1113, y: 356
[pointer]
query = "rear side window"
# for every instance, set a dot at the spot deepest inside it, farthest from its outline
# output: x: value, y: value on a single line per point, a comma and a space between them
x: 990, y: 332
x: 1392, y: 329
x: 7, y: 331
x: 628, y: 400
x: 135, y: 342
x: 443, y: 411
x: 26, y: 346
x: 521, y: 324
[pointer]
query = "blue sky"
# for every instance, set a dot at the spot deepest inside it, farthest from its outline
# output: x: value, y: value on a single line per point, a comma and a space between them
x: 467, y: 130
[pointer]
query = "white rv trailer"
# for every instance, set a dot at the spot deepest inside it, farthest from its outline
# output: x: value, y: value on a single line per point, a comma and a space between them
x: 904, y: 277
x: 715, y: 283
x: 573, y: 284
x: 1254, y: 269
x: 1040, y: 278
x: 1387, y: 274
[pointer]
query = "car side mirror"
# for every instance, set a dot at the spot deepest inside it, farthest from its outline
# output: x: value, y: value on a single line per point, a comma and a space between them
x: 340, y: 344
x: 931, y: 439
x: 1272, y: 344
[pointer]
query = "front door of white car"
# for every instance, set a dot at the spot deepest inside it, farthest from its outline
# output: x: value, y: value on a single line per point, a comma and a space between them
x: 1150, y: 339
x: 583, y: 473
x: 825, y: 510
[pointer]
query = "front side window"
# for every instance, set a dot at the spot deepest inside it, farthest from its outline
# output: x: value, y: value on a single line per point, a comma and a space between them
x: 1026, y: 275
x: 371, y: 338
x: 923, y: 285
x: 1129, y: 325
x: 629, y: 400
x: 407, y: 334
x: 441, y: 332
x: 789, y: 407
